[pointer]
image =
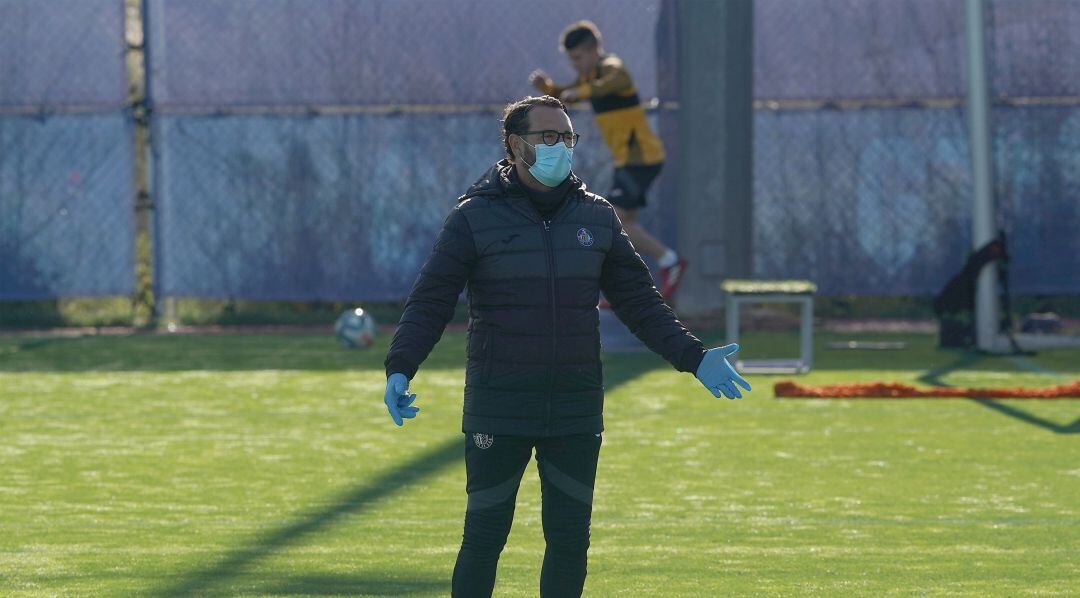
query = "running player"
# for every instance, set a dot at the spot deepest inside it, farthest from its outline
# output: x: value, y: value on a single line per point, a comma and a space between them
x: 636, y: 150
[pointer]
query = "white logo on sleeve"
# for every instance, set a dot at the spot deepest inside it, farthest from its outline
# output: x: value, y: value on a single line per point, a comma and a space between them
x: 483, y: 440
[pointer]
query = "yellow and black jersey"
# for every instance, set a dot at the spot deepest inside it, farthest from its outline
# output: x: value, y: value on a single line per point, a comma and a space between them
x: 619, y: 113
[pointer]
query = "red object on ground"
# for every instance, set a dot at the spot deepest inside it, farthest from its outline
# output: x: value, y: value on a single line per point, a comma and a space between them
x: 787, y: 389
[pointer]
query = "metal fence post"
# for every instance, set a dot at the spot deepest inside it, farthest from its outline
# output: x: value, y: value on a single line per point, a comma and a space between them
x: 715, y: 211
x: 144, y: 309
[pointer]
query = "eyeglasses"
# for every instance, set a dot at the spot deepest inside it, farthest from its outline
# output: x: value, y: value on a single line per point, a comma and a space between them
x: 552, y: 137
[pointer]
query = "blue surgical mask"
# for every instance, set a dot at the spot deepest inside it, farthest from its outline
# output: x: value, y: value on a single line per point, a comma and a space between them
x: 552, y: 164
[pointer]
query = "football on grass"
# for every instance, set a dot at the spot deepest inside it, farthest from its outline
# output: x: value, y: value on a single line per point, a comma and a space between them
x: 355, y: 328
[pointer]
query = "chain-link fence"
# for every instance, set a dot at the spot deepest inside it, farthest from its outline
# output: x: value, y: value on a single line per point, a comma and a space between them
x: 66, y: 220
x: 311, y: 150
x: 1035, y: 75
x: 319, y: 154
x: 328, y: 207
x: 866, y: 202
x: 861, y: 152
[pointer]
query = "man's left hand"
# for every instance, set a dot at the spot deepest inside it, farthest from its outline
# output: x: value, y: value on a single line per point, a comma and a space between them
x: 717, y: 375
x: 569, y: 96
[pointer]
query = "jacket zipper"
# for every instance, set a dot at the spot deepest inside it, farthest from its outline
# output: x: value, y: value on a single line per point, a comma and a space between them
x: 554, y: 322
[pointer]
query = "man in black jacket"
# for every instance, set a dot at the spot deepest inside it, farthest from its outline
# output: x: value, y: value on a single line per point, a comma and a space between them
x: 535, y: 249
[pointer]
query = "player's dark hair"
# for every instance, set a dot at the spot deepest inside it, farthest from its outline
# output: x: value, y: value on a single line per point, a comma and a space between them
x: 515, y: 118
x: 581, y: 32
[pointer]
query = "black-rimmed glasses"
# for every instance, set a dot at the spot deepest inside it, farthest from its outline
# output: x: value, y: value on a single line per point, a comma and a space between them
x: 550, y: 137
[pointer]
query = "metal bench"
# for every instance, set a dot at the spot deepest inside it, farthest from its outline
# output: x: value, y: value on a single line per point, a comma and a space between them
x: 800, y: 292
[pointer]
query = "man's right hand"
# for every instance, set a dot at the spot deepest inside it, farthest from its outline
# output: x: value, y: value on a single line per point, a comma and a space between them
x: 398, y: 400
x: 541, y: 81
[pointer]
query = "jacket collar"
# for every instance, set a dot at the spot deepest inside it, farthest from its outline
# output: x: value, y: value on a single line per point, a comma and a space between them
x: 495, y: 183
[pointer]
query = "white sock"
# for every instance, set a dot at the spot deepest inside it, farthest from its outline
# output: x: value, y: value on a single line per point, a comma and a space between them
x: 669, y: 259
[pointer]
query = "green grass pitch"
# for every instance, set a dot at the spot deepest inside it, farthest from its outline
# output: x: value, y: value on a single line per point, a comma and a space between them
x: 266, y: 465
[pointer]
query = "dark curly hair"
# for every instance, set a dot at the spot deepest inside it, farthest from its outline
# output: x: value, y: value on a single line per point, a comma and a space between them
x: 515, y: 118
x: 576, y: 34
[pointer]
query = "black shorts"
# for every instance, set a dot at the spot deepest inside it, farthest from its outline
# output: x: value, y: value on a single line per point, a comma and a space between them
x: 630, y: 184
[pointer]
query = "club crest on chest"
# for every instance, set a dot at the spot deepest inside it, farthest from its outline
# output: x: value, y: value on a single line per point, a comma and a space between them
x: 585, y: 237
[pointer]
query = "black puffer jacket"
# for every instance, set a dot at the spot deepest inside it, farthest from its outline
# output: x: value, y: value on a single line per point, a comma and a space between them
x: 533, y: 285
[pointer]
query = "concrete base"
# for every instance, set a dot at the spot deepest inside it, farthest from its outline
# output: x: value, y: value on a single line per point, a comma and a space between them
x: 772, y: 366
x: 615, y: 337
x: 1037, y: 342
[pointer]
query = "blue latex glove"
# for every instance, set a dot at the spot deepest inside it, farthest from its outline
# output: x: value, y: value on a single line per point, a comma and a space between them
x: 398, y: 401
x: 717, y: 374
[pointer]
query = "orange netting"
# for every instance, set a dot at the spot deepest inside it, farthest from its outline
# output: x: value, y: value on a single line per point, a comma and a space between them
x: 881, y: 390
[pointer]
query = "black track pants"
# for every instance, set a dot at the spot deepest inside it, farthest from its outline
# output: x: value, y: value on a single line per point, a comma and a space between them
x: 494, y: 466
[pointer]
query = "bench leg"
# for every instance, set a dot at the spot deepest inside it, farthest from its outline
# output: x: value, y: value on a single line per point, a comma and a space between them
x: 806, y: 334
x: 732, y: 328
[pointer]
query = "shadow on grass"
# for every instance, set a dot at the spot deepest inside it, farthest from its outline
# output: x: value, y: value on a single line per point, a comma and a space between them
x: 211, y: 352
x: 1013, y: 412
x: 421, y: 466
x: 934, y: 378
x: 619, y: 370
x: 350, y: 585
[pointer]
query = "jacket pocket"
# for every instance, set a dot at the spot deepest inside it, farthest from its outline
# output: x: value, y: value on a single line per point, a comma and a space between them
x: 485, y: 356
x: 479, y: 357
x: 599, y: 363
